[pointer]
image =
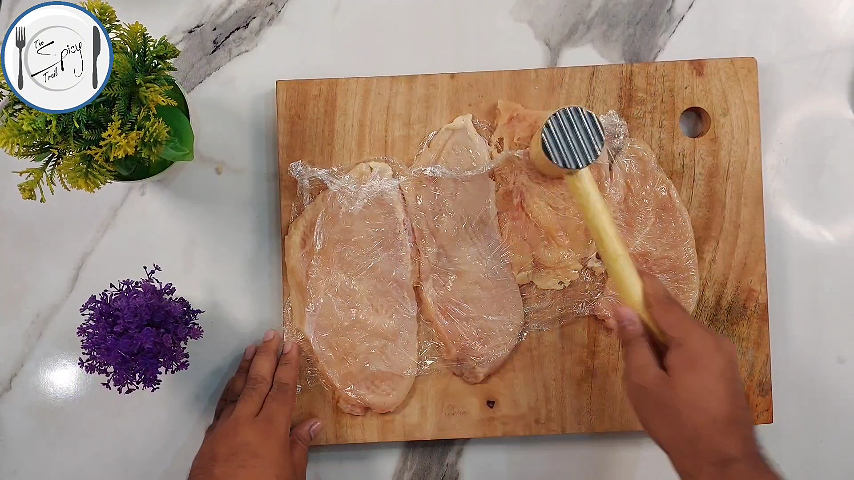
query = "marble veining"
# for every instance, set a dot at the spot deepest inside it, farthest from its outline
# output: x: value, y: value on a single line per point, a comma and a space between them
x: 621, y: 31
x: 229, y: 30
x: 43, y: 319
x: 437, y: 460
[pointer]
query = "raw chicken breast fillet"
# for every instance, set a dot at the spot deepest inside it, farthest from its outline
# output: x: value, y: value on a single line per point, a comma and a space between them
x: 553, y: 255
x: 465, y: 282
x: 351, y: 277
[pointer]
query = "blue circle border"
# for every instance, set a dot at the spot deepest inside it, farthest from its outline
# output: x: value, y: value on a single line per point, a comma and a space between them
x: 103, y: 30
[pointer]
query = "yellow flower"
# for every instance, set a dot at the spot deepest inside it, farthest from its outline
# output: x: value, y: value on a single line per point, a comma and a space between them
x: 120, y: 144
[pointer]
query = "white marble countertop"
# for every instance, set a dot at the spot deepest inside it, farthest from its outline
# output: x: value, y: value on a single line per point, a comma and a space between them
x: 214, y: 225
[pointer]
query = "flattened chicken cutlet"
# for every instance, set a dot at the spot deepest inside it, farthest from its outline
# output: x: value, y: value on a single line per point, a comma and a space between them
x: 554, y: 257
x: 355, y: 303
x: 466, y: 285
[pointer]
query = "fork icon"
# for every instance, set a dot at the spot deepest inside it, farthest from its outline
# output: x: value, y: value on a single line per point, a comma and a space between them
x: 20, y: 42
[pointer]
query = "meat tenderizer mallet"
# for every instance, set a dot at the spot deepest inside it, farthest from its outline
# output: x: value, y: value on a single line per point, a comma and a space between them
x: 572, y: 139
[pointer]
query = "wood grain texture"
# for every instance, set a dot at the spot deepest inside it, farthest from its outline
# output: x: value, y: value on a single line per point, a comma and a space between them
x: 568, y: 380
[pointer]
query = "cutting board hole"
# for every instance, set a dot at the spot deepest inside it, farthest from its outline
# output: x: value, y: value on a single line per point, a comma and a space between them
x: 695, y: 122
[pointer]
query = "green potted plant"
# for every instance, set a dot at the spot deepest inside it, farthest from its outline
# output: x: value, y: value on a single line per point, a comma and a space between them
x: 137, y: 128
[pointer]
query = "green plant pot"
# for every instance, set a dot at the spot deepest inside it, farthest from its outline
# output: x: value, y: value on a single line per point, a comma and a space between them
x: 159, y: 168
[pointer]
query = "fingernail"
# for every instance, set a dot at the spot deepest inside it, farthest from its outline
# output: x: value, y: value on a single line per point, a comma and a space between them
x: 269, y: 335
x: 315, y: 429
x: 287, y: 348
x: 628, y: 320
x: 249, y: 352
x: 611, y: 324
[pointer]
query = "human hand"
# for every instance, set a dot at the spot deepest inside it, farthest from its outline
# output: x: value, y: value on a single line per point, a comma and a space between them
x: 690, y: 399
x: 251, y: 436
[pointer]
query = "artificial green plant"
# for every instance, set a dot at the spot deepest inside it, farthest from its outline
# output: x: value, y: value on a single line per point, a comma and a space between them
x: 135, y: 129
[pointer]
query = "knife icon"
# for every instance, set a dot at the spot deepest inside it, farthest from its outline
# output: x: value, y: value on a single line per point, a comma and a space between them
x: 96, y: 50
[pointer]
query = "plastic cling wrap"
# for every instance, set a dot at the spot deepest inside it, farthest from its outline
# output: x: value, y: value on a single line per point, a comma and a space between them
x: 395, y: 271
x: 466, y: 288
x: 351, y: 274
x: 553, y: 255
x: 351, y: 240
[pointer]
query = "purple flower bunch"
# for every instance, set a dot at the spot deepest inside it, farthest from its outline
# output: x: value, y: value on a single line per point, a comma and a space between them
x: 136, y: 331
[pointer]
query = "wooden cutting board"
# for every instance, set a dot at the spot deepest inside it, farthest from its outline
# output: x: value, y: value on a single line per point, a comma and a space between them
x: 568, y: 380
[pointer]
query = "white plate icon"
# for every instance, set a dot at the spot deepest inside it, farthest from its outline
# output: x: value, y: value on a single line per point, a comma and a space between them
x: 54, y: 58
x: 57, y: 57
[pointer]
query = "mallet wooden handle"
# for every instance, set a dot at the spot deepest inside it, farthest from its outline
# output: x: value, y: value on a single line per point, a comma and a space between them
x: 621, y: 269
x: 604, y: 231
